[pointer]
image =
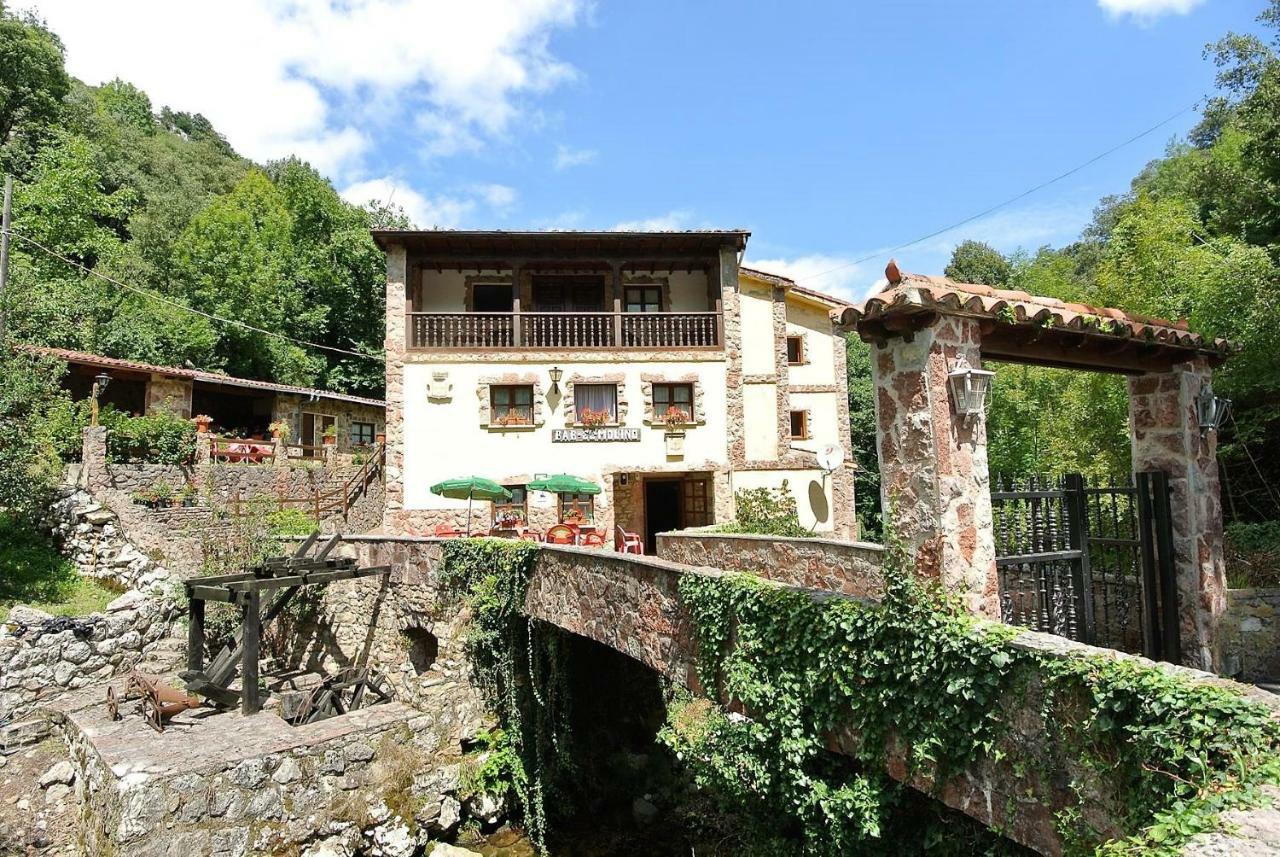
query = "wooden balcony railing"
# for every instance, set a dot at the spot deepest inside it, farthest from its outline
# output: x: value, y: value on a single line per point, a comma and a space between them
x: 433, y: 331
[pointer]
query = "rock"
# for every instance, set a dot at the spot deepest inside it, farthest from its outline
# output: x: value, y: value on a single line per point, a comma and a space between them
x: 485, y: 807
x: 56, y: 793
x: 60, y: 774
x: 98, y: 517
x: 445, y: 850
x: 450, y: 814
x: 642, y: 811
x: 24, y: 615
x: 288, y: 772
x: 359, y: 752
x: 393, y: 840
x: 76, y: 652
x: 131, y: 600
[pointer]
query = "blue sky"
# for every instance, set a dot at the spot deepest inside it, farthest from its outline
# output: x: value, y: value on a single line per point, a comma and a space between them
x: 831, y: 130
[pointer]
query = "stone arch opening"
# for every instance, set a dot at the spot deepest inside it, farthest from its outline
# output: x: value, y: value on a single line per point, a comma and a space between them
x: 422, y: 648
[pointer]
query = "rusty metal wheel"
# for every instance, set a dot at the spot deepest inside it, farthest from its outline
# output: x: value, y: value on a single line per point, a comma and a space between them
x: 151, y: 712
x: 113, y: 703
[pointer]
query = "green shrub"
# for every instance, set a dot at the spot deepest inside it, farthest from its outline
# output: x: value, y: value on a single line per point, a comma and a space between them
x: 291, y: 521
x: 160, y: 438
x: 1253, y: 555
x: 766, y: 512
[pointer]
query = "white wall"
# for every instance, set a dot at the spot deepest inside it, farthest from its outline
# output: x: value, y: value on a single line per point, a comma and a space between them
x: 815, y: 326
x: 760, y: 417
x: 443, y: 291
x: 756, y: 308
x: 688, y: 291
x: 444, y: 439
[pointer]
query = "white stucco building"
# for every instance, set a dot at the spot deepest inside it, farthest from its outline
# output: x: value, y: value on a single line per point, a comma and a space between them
x: 649, y: 363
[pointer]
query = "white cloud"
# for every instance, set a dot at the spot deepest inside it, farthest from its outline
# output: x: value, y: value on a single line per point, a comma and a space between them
x: 498, y: 196
x: 836, y: 275
x: 567, y: 157
x: 1146, y: 11
x: 319, y: 77
x: 669, y: 222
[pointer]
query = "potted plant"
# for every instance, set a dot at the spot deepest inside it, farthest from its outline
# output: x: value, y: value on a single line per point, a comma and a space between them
x: 675, y: 420
x: 145, y: 497
x: 331, y: 435
x: 593, y: 419
x: 162, y: 494
x: 188, y: 495
x: 380, y: 438
x: 280, y: 430
x: 204, y: 423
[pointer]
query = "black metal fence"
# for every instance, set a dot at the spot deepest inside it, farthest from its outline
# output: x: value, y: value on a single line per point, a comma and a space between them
x: 1093, y: 563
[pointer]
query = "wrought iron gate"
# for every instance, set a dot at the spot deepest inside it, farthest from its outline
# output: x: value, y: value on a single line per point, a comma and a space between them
x: 1091, y: 563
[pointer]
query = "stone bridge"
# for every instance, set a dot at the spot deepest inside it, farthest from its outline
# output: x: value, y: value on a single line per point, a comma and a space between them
x: 632, y: 604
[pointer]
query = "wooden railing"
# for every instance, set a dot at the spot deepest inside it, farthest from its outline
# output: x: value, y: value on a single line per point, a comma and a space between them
x: 320, y: 504
x: 572, y: 330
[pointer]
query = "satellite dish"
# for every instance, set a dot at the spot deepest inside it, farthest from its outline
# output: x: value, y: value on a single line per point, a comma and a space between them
x: 831, y: 457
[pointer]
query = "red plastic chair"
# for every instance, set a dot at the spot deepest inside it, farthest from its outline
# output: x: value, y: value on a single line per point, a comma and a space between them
x: 531, y: 536
x: 446, y: 531
x: 628, y: 542
x: 561, y: 534
x: 591, y: 539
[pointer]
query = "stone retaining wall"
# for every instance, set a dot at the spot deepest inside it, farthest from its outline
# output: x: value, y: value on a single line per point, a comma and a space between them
x: 92, y: 537
x: 1251, y: 633
x: 852, y: 568
x: 42, y: 657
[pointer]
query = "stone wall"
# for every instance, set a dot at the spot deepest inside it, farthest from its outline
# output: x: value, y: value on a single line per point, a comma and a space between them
x: 92, y: 537
x: 852, y: 568
x: 380, y: 781
x: 1250, y: 632
x: 42, y: 657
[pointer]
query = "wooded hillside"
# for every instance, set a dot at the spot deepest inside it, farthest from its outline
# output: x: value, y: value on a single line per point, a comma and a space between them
x: 159, y: 200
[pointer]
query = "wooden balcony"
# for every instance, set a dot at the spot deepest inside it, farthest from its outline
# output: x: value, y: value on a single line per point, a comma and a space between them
x: 448, y: 331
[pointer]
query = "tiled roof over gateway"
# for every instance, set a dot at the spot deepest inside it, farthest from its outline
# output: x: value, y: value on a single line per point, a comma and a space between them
x: 912, y: 294
x: 84, y: 358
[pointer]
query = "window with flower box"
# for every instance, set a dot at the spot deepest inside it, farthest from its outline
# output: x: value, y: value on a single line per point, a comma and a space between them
x: 595, y: 404
x: 513, y: 512
x: 673, y: 403
x: 511, y: 405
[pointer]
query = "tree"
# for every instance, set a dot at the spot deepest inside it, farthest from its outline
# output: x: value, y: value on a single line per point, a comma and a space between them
x: 976, y: 262
x: 862, y: 418
x: 29, y: 465
x: 127, y: 105
x: 33, y: 80
x: 236, y: 260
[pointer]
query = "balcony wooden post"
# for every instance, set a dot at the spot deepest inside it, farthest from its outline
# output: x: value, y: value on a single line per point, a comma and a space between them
x: 617, y: 304
x: 517, y: 331
x: 719, y: 322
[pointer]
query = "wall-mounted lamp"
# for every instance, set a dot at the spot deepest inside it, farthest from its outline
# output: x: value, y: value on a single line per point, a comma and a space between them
x: 968, y: 388
x: 556, y: 373
x: 1211, y: 410
x: 100, y: 382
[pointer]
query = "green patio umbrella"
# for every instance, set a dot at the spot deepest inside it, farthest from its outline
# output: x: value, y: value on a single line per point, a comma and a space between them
x: 469, y: 488
x: 563, y: 483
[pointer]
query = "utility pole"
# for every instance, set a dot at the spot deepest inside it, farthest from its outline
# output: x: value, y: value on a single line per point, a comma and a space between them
x: 4, y: 251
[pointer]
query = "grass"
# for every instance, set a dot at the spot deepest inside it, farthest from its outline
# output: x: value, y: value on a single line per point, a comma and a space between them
x: 32, y: 572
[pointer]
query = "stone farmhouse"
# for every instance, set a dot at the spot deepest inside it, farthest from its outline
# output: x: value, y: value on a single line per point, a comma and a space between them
x: 649, y: 363
x: 240, y: 407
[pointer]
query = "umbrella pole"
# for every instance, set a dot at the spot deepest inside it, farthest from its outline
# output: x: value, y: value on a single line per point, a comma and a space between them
x: 470, y: 496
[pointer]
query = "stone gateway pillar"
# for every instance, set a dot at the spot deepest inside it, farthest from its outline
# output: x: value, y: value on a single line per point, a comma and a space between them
x: 1165, y: 435
x: 933, y: 463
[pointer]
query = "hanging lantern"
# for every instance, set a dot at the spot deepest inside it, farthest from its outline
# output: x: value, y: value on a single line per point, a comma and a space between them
x: 556, y: 373
x: 1211, y: 410
x: 968, y: 388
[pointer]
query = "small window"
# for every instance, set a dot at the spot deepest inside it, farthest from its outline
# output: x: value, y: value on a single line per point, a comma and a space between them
x: 576, y: 508
x: 361, y: 434
x: 670, y: 398
x: 799, y: 425
x: 643, y: 298
x: 513, y: 512
x: 595, y: 404
x: 795, y: 350
x: 511, y: 405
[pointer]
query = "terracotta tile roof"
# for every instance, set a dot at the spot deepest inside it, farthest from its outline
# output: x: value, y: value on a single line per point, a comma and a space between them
x: 790, y: 284
x: 914, y: 293
x: 87, y: 359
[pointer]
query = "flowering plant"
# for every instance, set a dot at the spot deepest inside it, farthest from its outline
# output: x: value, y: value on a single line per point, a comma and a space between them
x: 588, y: 417
x: 675, y: 417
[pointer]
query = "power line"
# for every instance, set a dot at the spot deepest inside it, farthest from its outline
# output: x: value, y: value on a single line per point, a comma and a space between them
x: 1010, y: 200
x: 178, y: 305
